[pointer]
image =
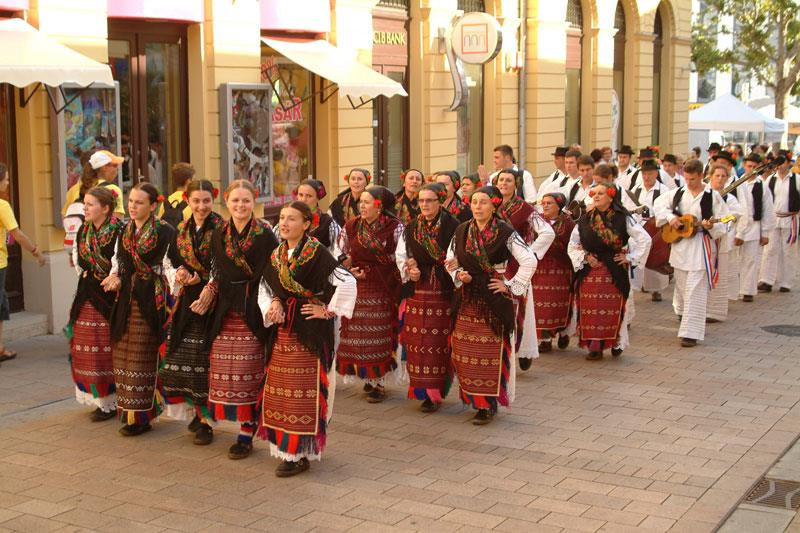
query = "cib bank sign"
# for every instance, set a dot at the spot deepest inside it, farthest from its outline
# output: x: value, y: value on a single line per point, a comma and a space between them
x: 476, y: 38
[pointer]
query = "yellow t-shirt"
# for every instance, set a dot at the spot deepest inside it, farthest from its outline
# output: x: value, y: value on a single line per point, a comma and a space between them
x: 7, y: 223
x: 174, y: 199
x: 75, y: 191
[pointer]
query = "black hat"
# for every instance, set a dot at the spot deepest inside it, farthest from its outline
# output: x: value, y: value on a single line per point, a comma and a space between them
x: 724, y: 154
x: 646, y: 153
x: 714, y: 146
x: 754, y: 157
x: 625, y: 149
x: 787, y: 154
x: 561, y: 151
x: 670, y: 158
x: 649, y: 164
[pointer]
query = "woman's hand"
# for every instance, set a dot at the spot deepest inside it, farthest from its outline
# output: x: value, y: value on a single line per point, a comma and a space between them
x: 451, y: 264
x: 464, y: 277
x: 621, y: 259
x: 112, y: 283
x: 312, y: 311
x: 182, y: 275
x: 498, y: 286
x: 203, y: 302
x: 414, y: 274
x: 358, y: 273
x: 708, y: 224
x: 347, y: 263
x: 592, y: 260
x: 193, y: 280
x: 275, y: 312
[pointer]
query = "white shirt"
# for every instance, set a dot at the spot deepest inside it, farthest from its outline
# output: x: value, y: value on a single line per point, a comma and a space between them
x: 687, y: 254
x: 528, y: 185
x: 757, y: 228
x: 781, y: 198
x: 638, y: 246
x: 733, y: 229
x: 647, y: 197
x: 545, y: 235
x: 549, y: 183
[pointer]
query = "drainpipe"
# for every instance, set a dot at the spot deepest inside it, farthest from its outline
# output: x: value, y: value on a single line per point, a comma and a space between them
x: 521, y: 83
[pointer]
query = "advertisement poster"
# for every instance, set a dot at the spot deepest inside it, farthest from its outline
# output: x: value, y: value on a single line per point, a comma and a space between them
x: 251, y: 132
x: 90, y: 121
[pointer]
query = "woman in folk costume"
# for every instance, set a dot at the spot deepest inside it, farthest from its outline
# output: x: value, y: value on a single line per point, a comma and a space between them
x: 308, y: 289
x: 552, y: 283
x: 241, y: 248
x: 604, y: 244
x: 345, y: 206
x: 184, y: 369
x: 483, y: 337
x: 369, y: 339
x: 139, y: 318
x: 407, y: 205
x: 454, y: 204
x: 428, y: 290
x: 717, y: 303
x: 323, y: 227
x: 538, y: 235
x: 90, y: 342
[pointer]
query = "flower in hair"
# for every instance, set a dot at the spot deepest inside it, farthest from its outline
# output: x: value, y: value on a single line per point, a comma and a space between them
x: 497, y: 201
x: 114, y: 193
x: 612, y: 192
x: 160, y: 198
x: 591, y: 193
x: 347, y: 177
x: 321, y: 192
x: 403, y: 175
x: 377, y: 204
x: 215, y: 192
x: 255, y: 193
x: 185, y: 196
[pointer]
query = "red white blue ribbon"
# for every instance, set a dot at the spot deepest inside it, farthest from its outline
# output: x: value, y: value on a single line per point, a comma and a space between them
x: 711, y: 260
x: 793, y: 231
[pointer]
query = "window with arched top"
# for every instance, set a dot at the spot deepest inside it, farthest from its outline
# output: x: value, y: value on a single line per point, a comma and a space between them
x: 619, y: 75
x: 573, y: 64
x: 658, y: 52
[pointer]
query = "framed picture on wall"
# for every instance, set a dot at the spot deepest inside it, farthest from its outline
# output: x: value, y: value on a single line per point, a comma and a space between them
x: 246, y: 136
x: 90, y: 120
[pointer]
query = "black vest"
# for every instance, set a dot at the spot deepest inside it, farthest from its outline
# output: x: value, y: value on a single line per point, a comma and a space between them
x: 706, y: 203
x: 794, y: 196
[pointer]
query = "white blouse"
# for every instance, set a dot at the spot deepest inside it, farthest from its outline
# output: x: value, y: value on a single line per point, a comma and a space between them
x: 638, y: 246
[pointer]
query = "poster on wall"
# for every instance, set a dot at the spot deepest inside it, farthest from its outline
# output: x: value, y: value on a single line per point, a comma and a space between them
x: 90, y: 121
x: 246, y: 137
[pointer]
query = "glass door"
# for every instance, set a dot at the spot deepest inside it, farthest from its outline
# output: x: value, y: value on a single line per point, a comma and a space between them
x: 149, y: 61
x: 390, y: 133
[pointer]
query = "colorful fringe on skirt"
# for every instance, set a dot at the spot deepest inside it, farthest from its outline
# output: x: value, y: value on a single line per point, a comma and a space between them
x: 90, y: 355
x: 294, y: 408
x: 482, y: 359
x: 184, y: 374
x: 135, y: 358
x: 236, y: 372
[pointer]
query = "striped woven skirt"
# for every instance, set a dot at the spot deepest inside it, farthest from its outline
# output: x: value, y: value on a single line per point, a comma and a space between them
x: 600, y: 308
x: 425, y: 340
x: 92, y: 366
x: 294, y: 403
x: 236, y: 372
x: 481, y: 358
x: 136, y: 370
x: 552, y: 296
x: 184, y: 373
x: 369, y: 339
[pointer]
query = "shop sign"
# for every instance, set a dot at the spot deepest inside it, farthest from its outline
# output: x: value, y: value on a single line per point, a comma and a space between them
x: 476, y: 38
x: 292, y: 114
x: 397, y: 38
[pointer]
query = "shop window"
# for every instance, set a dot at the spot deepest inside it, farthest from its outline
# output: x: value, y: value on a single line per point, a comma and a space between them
x: 572, y: 117
x: 292, y: 128
x: 470, y: 121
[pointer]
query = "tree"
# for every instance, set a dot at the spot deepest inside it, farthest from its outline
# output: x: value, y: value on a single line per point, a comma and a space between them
x: 766, y: 42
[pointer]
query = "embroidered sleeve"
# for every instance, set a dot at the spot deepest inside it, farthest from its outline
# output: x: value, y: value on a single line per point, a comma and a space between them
x: 518, y: 285
x: 662, y: 208
x: 342, y: 246
x: 639, y: 243
x: 401, y: 257
x: 343, y: 300
x: 528, y: 187
x: 115, y: 270
x: 575, y: 251
x: 398, y: 233
x: 169, y: 270
x: 74, y: 254
x: 264, y: 300
x: 451, y: 254
x: 544, y: 235
x: 333, y: 236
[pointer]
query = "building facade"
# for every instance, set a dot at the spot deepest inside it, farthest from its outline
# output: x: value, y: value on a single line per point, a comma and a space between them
x: 594, y: 72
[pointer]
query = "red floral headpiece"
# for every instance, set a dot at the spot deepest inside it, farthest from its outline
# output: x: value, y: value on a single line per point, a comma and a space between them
x: 114, y: 193
x: 496, y: 201
x: 377, y: 204
x: 160, y: 198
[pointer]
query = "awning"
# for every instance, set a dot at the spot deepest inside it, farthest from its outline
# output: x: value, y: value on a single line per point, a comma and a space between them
x: 27, y: 56
x: 353, y: 79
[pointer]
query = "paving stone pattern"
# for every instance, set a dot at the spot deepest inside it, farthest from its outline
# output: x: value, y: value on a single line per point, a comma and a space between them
x: 663, y: 439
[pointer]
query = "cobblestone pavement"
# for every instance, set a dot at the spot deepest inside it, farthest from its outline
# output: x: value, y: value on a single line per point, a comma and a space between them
x: 663, y: 439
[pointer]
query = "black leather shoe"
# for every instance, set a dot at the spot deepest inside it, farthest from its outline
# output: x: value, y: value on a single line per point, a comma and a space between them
x: 747, y: 298
x: 563, y: 342
x: 656, y: 297
x: 688, y: 343
x: 594, y: 356
x: 429, y: 407
x: 710, y: 320
x: 367, y: 388
x: 525, y: 363
x: 98, y: 415
x: 376, y: 395
x: 545, y: 346
x: 194, y: 425
x: 292, y: 468
x: 204, y: 435
x: 785, y: 289
x: 616, y: 352
x: 240, y: 450
x: 134, y: 430
x: 482, y: 417
x: 764, y: 287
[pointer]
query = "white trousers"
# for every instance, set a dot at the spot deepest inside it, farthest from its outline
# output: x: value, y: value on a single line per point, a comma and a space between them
x: 733, y: 273
x: 717, y: 304
x: 779, y: 262
x: 689, y: 301
x: 654, y: 281
x: 749, y: 262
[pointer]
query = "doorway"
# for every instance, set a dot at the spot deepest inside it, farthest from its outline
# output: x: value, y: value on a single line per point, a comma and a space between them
x: 8, y: 153
x: 149, y: 62
x: 390, y: 133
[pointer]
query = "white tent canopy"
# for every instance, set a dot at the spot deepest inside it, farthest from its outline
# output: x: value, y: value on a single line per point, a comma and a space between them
x: 792, y: 113
x: 27, y: 56
x: 325, y: 60
x: 728, y: 113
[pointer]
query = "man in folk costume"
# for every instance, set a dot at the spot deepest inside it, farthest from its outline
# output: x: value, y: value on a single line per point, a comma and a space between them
x: 669, y: 171
x: 605, y: 242
x: 428, y: 292
x: 713, y: 150
x: 552, y: 281
x: 692, y: 258
x: 578, y: 190
x: 717, y: 307
x: 628, y: 180
x: 780, y: 259
x: 503, y: 158
x: 551, y: 181
x: 749, y: 247
x: 624, y: 155
x: 646, y: 193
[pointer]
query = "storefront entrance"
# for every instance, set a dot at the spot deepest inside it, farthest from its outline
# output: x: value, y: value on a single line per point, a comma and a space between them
x: 149, y: 62
x: 8, y: 152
